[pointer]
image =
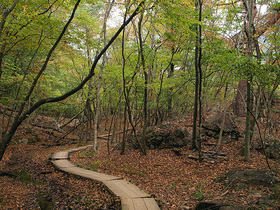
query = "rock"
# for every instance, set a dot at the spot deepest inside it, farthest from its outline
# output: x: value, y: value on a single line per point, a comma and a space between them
x: 266, y: 202
x: 165, y: 136
x: 276, y: 191
x: 213, y: 124
x: 217, y: 206
x: 272, y: 147
x: 242, y: 179
x: 24, y: 141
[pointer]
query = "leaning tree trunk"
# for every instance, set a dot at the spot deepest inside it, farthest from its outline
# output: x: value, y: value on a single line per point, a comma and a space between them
x: 21, y: 115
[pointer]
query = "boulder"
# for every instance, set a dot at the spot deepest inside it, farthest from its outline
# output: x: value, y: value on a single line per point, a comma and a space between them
x: 244, y: 178
x: 271, y: 145
x: 164, y: 136
x: 213, y: 125
x: 217, y: 206
x: 273, y: 149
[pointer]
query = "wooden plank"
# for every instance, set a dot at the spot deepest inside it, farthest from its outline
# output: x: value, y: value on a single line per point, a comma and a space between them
x: 139, y: 204
x: 90, y: 174
x: 132, y: 197
x: 60, y: 155
x: 132, y: 187
x: 151, y: 203
x: 79, y: 148
x: 125, y: 189
x: 127, y: 204
x: 63, y: 164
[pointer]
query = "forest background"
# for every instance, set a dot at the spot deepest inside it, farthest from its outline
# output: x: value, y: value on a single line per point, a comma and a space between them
x: 130, y: 65
x: 167, y: 59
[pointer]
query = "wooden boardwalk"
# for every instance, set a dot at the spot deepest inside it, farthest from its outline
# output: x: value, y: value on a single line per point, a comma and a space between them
x: 132, y: 198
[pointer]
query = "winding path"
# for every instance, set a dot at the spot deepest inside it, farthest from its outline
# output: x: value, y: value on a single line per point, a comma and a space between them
x: 132, y: 198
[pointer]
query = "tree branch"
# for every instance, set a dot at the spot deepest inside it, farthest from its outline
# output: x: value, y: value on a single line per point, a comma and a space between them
x: 5, y: 15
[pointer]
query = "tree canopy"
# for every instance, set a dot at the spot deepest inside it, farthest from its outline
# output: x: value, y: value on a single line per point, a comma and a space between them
x: 50, y: 50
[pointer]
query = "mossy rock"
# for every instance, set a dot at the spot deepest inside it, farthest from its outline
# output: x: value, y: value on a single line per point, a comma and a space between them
x: 167, y: 135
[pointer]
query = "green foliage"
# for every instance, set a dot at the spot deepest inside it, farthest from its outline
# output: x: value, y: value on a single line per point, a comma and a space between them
x: 130, y: 171
x: 95, y: 165
x: 169, y: 32
x: 90, y: 154
x: 26, y: 177
x: 199, y: 193
x: 139, y: 173
x: 68, y: 108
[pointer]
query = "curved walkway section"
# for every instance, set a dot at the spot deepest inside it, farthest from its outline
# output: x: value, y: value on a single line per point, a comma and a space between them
x: 132, y: 198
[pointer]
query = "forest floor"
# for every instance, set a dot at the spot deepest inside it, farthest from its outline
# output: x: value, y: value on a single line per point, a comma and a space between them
x: 178, y: 182
x: 29, y: 181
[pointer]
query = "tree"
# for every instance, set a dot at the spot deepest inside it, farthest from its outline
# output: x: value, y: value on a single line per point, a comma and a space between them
x: 250, y: 31
x: 5, y: 13
x: 98, y: 85
x: 146, y: 76
x: 198, y: 84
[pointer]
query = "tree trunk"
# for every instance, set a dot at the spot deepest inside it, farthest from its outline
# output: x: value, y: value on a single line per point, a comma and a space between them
x: 145, y: 99
x: 1, y: 64
x: 239, y: 105
x: 250, y: 29
x: 170, y: 75
x: 198, y: 79
x: 124, y: 86
x: 97, y: 110
x: 124, y: 130
x: 223, y: 122
x: 248, y: 122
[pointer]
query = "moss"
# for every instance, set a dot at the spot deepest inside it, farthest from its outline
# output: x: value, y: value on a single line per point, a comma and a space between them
x: 45, y: 201
x: 90, y: 154
x: 276, y: 192
x: 135, y: 173
x: 199, y: 193
x: 26, y: 177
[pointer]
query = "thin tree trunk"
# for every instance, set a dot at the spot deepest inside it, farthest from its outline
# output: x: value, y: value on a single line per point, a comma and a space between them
x: 170, y: 75
x: 124, y: 86
x: 97, y: 110
x: 250, y: 29
x: 1, y: 64
x: 145, y: 99
x: 197, y: 78
x: 200, y: 80
x: 223, y: 123
x: 124, y: 130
